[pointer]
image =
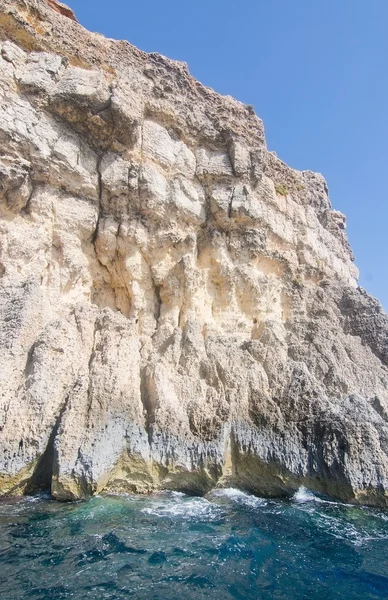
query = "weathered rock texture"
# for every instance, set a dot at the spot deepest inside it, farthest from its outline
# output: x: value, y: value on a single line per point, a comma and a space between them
x: 179, y: 308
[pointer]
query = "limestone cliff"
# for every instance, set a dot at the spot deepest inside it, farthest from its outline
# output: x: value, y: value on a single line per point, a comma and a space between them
x: 179, y: 308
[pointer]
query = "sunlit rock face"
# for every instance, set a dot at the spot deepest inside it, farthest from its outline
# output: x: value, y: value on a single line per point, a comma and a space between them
x: 178, y: 307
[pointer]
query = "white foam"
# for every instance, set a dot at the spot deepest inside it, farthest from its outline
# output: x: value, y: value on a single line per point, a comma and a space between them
x: 336, y: 527
x: 177, y: 506
x: 37, y: 497
x: 305, y: 495
x: 238, y: 496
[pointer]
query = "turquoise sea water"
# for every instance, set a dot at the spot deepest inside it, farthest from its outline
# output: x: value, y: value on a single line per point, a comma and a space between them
x: 171, y: 546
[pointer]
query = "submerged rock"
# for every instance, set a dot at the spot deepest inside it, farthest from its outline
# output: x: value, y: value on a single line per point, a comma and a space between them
x: 179, y: 308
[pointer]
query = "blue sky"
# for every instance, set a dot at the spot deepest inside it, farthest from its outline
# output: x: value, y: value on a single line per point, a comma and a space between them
x: 316, y: 72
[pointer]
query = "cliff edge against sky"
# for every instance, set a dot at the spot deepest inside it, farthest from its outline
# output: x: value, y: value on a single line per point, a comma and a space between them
x: 179, y: 308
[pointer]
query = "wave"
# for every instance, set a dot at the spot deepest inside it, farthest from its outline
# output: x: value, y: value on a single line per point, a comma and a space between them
x: 236, y: 495
x: 178, y: 505
x: 304, y: 495
x: 355, y: 525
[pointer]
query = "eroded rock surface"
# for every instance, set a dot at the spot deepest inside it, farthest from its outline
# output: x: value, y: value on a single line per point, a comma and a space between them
x: 62, y: 9
x: 179, y: 308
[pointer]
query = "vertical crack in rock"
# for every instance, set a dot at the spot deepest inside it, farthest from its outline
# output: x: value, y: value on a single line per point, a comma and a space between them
x: 230, y: 206
x: 26, y: 208
x: 41, y: 478
x: 96, y: 328
x: 158, y: 303
x: 158, y: 307
x: 148, y: 404
x: 100, y: 214
x: 100, y: 206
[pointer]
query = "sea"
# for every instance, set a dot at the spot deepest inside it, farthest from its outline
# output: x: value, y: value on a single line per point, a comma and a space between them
x: 229, y: 545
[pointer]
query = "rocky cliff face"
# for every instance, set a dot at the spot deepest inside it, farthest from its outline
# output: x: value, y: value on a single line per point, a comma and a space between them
x: 178, y: 307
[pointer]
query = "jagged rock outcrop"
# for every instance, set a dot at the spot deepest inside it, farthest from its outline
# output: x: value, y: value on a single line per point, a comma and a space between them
x: 62, y: 9
x: 178, y: 307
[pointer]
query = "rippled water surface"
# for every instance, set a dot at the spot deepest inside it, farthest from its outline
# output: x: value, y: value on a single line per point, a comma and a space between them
x: 171, y: 546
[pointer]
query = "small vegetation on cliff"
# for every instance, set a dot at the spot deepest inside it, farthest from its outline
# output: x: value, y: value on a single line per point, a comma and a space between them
x: 281, y: 189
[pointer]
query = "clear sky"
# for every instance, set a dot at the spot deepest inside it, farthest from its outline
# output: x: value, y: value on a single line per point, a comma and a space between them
x: 316, y: 72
